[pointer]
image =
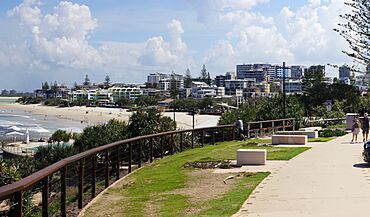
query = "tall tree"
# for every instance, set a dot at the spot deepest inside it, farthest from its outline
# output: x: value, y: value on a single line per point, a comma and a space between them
x: 45, y: 86
x: 203, y: 73
x: 209, y: 80
x: 174, y: 91
x: 54, y: 87
x: 87, y: 81
x: 107, y: 81
x: 355, y: 29
x: 188, y: 79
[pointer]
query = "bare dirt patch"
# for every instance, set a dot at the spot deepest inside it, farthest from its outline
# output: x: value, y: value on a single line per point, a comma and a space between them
x: 203, y: 185
x: 109, y: 204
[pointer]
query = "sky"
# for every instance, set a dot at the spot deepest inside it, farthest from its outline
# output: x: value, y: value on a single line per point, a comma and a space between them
x: 63, y: 41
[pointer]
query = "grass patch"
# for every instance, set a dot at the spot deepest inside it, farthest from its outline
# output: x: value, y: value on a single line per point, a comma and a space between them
x: 321, y: 139
x: 156, y: 185
x: 227, y: 151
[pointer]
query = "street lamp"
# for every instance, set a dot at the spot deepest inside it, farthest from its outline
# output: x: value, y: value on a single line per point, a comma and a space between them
x: 284, y: 90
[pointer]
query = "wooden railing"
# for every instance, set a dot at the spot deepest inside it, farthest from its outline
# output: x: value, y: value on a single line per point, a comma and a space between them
x: 67, y: 186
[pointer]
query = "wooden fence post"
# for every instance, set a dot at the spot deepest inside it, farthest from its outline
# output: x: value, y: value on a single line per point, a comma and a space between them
x: 63, y: 181
x: 93, y: 176
x: 45, y: 196
x: 81, y: 182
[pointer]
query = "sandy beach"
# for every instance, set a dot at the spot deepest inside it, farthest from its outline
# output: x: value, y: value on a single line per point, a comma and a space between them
x: 97, y: 115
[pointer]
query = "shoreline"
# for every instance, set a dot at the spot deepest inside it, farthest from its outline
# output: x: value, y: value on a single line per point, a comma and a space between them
x: 99, y: 115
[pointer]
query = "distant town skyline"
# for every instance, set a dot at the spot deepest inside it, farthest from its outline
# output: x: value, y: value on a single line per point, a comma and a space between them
x: 127, y: 40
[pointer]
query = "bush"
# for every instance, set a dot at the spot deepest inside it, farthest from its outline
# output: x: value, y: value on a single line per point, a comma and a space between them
x: 59, y: 136
x: 49, y: 154
x: 102, y: 134
x: 52, y: 102
x: 331, y: 133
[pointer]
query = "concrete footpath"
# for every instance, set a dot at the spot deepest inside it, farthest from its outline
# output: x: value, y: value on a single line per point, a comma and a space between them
x: 330, y: 179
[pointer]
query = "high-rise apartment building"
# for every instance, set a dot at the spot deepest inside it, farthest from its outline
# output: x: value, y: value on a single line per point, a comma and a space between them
x: 344, y: 72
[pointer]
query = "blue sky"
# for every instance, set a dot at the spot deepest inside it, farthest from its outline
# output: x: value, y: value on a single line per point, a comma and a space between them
x: 63, y: 41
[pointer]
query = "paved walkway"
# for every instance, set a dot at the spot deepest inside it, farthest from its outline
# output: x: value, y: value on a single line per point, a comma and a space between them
x: 328, y: 180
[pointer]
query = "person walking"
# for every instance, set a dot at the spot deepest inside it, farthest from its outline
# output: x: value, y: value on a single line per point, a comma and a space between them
x: 240, y: 128
x: 355, y: 129
x: 365, y: 127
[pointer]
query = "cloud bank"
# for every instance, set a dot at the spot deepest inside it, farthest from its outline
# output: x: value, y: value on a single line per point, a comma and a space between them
x: 57, y: 44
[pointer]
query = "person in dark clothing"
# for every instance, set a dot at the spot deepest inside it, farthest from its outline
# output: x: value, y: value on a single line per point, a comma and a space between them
x: 365, y: 127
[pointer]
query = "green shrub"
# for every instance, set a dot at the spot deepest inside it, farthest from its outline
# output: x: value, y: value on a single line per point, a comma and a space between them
x: 331, y: 132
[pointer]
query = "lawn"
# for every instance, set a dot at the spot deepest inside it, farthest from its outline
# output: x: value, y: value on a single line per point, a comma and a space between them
x: 166, y: 188
x: 321, y: 139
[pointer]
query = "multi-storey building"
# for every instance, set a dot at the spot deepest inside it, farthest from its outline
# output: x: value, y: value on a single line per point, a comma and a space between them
x: 165, y: 84
x: 344, y: 72
x: 60, y: 92
x: 293, y: 86
x: 160, y: 80
x: 131, y: 93
x: 231, y: 86
x: 256, y: 71
x: 220, y: 80
x: 276, y: 72
x: 297, y: 72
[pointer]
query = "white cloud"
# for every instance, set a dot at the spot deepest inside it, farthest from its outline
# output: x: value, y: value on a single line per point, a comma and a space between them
x: 158, y: 52
x: 176, y: 30
x: 222, y: 53
x: 60, y: 38
x: 28, y: 11
x: 209, y: 11
x: 303, y: 35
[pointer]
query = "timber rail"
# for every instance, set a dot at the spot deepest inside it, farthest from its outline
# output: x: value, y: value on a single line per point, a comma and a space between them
x: 65, y: 187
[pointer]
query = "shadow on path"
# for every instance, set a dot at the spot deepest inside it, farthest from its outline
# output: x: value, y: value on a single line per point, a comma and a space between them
x: 361, y: 165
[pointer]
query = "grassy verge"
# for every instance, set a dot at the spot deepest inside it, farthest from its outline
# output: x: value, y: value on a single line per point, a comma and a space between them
x: 155, y: 189
x: 321, y: 139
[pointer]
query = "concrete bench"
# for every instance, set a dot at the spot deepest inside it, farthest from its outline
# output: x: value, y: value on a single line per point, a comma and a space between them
x: 250, y: 157
x: 289, y: 139
x: 309, y: 134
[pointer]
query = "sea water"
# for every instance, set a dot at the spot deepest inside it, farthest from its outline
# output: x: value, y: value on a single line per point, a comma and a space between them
x: 14, y: 124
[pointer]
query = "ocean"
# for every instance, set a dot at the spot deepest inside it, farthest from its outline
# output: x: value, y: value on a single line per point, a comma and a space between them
x: 15, y: 123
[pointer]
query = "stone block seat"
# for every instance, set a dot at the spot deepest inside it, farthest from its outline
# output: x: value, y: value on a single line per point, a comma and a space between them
x: 289, y: 139
x: 250, y: 157
x: 309, y: 134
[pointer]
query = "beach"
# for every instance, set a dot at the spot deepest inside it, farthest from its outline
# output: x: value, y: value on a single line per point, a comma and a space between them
x: 98, y: 115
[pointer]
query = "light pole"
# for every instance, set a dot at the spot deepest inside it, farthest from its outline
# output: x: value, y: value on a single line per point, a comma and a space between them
x: 284, y: 93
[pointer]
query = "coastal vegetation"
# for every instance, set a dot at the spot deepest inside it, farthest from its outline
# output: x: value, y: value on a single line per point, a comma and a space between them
x: 168, y: 183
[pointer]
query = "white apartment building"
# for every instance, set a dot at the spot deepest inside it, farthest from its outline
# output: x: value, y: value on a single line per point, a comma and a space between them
x: 131, y: 93
x: 165, y: 84
x: 213, y: 92
x: 292, y: 86
x: 100, y: 95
